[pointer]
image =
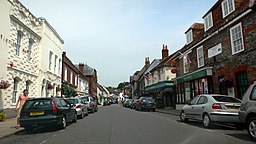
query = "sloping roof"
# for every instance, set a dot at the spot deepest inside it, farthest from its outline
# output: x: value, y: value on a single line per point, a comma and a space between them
x: 196, y: 26
x: 87, y: 70
x: 153, y: 65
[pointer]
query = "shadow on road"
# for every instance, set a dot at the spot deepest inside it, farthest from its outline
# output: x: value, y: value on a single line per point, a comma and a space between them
x: 38, y: 130
x: 244, y: 137
x: 228, y: 129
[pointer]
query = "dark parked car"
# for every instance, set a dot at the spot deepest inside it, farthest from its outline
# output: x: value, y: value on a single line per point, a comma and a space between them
x: 46, y: 112
x: 146, y: 103
x: 247, y: 113
x: 106, y: 103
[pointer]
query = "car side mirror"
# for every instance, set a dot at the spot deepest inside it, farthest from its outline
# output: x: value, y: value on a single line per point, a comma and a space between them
x: 188, y: 102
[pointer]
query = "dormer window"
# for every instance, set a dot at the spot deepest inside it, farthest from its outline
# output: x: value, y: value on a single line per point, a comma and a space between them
x: 189, y: 36
x: 208, y: 23
x: 228, y: 6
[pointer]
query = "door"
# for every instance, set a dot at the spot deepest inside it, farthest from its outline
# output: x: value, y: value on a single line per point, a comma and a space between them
x: 67, y: 110
x: 200, y: 107
x: 190, y: 110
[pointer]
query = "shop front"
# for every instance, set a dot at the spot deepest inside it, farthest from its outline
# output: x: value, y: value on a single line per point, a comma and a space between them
x: 163, y: 93
x: 192, y: 84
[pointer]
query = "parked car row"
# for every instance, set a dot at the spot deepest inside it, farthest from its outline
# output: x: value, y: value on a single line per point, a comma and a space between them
x: 214, y: 108
x: 141, y: 104
x: 55, y: 111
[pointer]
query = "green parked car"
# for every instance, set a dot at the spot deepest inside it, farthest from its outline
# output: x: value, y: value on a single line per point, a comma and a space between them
x: 46, y: 112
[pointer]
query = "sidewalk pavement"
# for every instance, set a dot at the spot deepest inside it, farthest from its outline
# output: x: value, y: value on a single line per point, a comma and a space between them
x: 7, y: 127
x: 170, y: 111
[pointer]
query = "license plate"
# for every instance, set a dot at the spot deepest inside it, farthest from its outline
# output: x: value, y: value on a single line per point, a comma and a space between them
x: 233, y: 108
x: 36, y: 113
x: 149, y: 105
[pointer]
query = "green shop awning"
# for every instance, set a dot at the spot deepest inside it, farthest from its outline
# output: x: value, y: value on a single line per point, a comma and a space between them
x: 194, y: 75
x: 164, y: 84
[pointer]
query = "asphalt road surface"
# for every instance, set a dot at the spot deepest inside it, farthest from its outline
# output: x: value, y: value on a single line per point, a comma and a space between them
x: 117, y: 125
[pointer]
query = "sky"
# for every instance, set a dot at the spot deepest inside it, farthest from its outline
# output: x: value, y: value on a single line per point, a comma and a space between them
x: 115, y: 36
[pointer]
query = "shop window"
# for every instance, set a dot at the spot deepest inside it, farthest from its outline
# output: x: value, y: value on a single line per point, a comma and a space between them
x: 242, y: 83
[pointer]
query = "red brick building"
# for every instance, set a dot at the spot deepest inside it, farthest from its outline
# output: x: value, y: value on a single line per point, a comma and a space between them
x: 91, y: 75
x: 69, y: 77
x: 220, y: 55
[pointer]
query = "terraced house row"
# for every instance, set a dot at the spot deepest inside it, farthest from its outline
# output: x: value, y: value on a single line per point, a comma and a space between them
x: 219, y: 56
x: 32, y: 58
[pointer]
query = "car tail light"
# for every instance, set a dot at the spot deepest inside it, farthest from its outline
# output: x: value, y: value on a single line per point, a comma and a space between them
x: 54, y: 106
x: 78, y: 106
x: 216, y: 106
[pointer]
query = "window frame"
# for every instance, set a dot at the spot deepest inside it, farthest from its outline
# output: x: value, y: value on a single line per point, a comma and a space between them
x: 185, y: 64
x: 18, y: 43
x: 228, y: 7
x: 189, y: 36
x: 50, y: 60
x: 232, y: 40
x: 15, y: 90
x: 59, y: 66
x: 208, y: 18
x: 200, y: 56
x: 65, y: 74
x: 55, y: 63
x: 30, y: 46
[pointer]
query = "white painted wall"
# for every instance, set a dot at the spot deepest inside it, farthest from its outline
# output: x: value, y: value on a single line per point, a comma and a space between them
x: 5, y: 7
x: 50, y: 42
x: 24, y: 70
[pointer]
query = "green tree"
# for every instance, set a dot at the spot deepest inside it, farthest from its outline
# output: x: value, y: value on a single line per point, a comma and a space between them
x: 122, y: 85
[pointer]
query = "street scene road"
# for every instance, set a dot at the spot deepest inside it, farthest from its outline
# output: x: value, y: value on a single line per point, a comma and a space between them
x: 118, y: 125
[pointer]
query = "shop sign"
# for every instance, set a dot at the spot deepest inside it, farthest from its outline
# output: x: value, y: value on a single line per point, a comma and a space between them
x: 193, y: 76
x: 159, y: 85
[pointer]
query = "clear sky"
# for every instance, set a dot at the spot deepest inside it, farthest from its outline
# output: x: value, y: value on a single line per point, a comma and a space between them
x: 115, y: 36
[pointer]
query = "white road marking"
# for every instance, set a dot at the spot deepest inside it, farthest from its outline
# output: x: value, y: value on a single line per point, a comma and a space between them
x: 54, y: 135
x: 44, y: 141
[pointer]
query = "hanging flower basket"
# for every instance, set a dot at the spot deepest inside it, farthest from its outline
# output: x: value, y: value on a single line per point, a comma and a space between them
x: 49, y: 86
x: 226, y: 82
x: 58, y: 88
x: 4, y: 84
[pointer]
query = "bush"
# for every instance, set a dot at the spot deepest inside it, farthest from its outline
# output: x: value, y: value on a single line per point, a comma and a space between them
x: 2, y: 116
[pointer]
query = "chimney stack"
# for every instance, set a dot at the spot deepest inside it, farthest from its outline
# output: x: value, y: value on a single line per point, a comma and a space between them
x: 165, y: 52
x: 147, y: 62
x: 81, y: 67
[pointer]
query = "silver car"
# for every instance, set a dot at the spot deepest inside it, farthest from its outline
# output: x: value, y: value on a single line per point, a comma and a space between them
x: 211, y: 108
x: 90, y: 102
x: 247, y: 113
x: 81, y: 109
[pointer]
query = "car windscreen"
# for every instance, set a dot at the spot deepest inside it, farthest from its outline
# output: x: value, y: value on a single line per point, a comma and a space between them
x: 72, y: 101
x: 86, y: 99
x: 38, y: 104
x: 226, y: 99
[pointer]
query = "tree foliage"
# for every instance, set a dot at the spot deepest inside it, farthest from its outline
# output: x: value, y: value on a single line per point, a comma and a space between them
x: 122, y: 85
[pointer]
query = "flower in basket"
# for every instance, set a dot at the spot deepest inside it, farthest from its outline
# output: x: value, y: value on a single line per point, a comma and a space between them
x: 58, y: 88
x: 49, y: 86
x: 229, y: 82
x: 4, y: 84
